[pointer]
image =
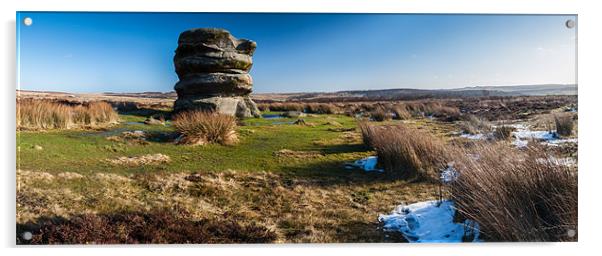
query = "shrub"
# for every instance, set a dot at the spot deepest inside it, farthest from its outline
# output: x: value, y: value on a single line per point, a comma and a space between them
x: 380, y: 115
x: 33, y: 114
x: 201, y: 127
x: 321, y: 108
x: 367, y: 132
x: 474, y: 125
x: 158, y: 227
x: 449, y: 113
x: 503, y: 132
x: 288, y: 106
x: 408, y: 152
x: 401, y: 112
x: 264, y: 107
x: 564, y: 125
x: 515, y: 195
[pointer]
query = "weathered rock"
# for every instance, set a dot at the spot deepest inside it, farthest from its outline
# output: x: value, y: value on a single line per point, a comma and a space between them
x: 215, y: 84
x: 239, y: 106
x: 213, y: 67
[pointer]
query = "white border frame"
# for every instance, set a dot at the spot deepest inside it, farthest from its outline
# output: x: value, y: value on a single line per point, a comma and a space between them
x: 589, y: 92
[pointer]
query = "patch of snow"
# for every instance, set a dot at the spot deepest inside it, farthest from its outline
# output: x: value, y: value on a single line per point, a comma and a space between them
x: 560, y: 141
x: 538, y: 135
x: 367, y: 164
x: 478, y: 136
x: 523, y: 134
x: 520, y: 143
x: 430, y: 222
x: 567, y: 161
x: 449, y: 175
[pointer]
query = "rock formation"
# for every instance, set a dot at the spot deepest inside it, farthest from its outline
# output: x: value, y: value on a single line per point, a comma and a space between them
x: 213, y: 68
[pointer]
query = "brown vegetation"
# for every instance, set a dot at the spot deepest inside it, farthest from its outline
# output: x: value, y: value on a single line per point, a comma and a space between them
x: 201, y: 127
x: 217, y: 207
x: 46, y: 114
x: 406, y: 152
x: 564, y: 124
x: 517, y: 196
x: 159, y: 227
x: 474, y: 125
x: 503, y: 132
x: 380, y: 115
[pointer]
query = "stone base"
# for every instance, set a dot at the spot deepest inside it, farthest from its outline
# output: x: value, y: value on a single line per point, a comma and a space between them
x: 241, y: 106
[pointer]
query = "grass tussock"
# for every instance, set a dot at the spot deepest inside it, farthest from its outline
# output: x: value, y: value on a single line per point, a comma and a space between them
x: 474, y: 125
x: 380, y: 115
x: 564, y: 125
x: 401, y: 112
x: 408, y: 152
x: 503, y: 132
x: 202, y: 127
x: 321, y: 108
x: 517, y: 195
x: 35, y: 114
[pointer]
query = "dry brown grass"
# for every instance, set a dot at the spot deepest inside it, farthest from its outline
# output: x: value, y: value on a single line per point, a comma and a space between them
x: 564, y: 124
x: 35, y: 114
x: 292, y: 208
x: 321, y: 108
x: 380, y: 115
x: 401, y: 112
x: 474, y: 125
x: 405, y: 151
x: 283, y: 106
x: 517, y: 196
x: 150, y: 159
x: 202, y: 127
x: 503, y: 132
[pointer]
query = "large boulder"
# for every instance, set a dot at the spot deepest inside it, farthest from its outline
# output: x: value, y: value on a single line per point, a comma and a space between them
x: 213, y: 67
x: 239, y: 106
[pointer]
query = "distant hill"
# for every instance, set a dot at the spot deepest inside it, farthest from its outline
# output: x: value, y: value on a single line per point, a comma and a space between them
x: 413, y: 94
x: 368, y: 95
x: 531, y: 90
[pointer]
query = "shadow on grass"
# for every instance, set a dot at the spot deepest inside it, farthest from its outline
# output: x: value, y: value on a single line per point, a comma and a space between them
x: 344, y: 148
x: 161, y: 227
x: 334, y: 172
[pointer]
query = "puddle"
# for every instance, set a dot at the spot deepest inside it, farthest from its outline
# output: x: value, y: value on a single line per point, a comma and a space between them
x: 271, y: 116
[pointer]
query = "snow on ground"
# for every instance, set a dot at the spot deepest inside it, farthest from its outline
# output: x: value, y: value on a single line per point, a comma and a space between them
x: 523, y: 134
x: 478, y: 136
x: 558, y: 161
x: 430, y: 222
x: 367, y: 164
x: 449, y: 174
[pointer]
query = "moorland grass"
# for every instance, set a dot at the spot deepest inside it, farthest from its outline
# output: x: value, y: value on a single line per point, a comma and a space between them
x: 406, y: 151
x: 202, y: 127
x: 36, y: 114
x: 564, y: 124
x: 517, y: 195
x: 247, y: 182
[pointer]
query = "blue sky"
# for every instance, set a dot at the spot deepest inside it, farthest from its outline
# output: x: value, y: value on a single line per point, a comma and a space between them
x: 133, y: 52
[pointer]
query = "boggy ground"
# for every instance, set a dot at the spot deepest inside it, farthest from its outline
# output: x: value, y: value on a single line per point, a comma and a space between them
x: 281, y: 183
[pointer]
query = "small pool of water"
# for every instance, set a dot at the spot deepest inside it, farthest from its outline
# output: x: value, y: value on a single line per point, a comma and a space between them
x: 272, y: 116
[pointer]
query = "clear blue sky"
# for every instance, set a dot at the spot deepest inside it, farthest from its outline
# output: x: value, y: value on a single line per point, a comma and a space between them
x: 133, y: 52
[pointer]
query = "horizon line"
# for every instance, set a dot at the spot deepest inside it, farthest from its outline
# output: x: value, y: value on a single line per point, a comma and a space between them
x: 355, y: 90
